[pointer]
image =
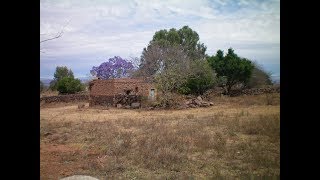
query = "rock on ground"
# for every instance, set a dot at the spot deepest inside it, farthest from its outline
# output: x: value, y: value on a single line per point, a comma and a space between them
x: 79, y: 177
x: 119, y: 105
x: 135, y: 105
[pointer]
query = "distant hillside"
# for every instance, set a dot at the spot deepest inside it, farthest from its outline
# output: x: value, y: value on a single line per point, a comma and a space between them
x: 46, y: 81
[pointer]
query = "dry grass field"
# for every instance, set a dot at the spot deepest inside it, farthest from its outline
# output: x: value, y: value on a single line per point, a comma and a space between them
x: 237, y: 138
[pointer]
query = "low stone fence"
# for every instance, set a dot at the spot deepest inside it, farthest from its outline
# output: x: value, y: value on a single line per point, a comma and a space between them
x: 65, y: 98
x: 109, y: 100
x: 255, y: 91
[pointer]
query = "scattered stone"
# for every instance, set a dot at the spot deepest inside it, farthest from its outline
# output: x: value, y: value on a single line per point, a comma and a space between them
x: 127, y: 107
x: 47, y: 134
x: 204, y: 104
x: 79, y: 177
x: 188, y: 102
x: 211, y: 103
x: 105, y: 108
x: 199, y: 98
x: 192, y: 106
x: 54, y: 137
x: 119, y: 105
x: 150, y: 108
x: 182, y: 107
x: 197, y: 102
x: 135, y: 105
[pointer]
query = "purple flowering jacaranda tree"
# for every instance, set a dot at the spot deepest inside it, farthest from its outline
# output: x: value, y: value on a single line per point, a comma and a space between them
x: 115, y: 67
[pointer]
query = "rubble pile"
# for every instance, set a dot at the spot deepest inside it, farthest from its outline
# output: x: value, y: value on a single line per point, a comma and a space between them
x: 196, y: 102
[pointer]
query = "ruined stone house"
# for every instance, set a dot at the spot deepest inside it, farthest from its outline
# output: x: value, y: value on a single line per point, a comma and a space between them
x: 103, y: 92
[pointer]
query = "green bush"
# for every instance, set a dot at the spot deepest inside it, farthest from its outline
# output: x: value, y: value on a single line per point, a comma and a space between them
x: 69, y: 85
x: 201, y: 78
x: 60, y: 73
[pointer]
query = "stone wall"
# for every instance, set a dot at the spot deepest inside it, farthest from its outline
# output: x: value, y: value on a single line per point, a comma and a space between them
x: 65, y: 98
x: 255, y: 91
x: 101, y: 100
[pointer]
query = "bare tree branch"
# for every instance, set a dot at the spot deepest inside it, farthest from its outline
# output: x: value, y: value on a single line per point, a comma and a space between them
x: 57, y: 36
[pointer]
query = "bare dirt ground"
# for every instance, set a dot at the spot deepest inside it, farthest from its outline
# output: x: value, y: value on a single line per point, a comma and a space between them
x: 238, y: 137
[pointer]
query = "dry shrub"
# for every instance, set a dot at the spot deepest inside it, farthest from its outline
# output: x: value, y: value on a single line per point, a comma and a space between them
x: 203, y: 140
x: 206, y: 140
x: 268, y: 125
x: 190, y: 116
x: 250, y: 100
x: 220, y: 141
x: 260, y: 154
x: 160, y: 148
x: 272, y: 98
x: 120, y: 144
x: 170, y: 100
x: 81, y: 106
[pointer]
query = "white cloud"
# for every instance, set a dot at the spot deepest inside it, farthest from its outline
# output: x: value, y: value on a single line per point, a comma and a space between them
x: 101, y: 29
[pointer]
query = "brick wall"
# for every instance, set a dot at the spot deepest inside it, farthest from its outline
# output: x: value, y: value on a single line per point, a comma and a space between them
x: 101, y: 91
x: 101, y: 88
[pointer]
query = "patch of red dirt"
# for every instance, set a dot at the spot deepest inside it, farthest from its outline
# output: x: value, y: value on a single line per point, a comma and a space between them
x: 58, y: 160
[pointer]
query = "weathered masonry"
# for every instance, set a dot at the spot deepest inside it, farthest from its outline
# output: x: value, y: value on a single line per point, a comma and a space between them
x: 103, y: 92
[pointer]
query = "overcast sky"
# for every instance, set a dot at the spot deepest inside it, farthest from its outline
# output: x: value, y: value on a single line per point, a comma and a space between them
x: 95, y: 30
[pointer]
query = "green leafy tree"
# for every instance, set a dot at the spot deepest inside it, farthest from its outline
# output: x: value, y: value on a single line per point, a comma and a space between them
x: 185, y: 37
x: 184, y: 41
x: 200, y: 78
x: 231, y: 67
x: 171, y: 58
x: 69, y: 85
x: 60, y: 73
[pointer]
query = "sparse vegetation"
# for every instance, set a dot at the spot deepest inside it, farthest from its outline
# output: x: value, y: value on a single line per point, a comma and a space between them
x: 41, y: 86
x: 239, y: 137
x: 259, y: 77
